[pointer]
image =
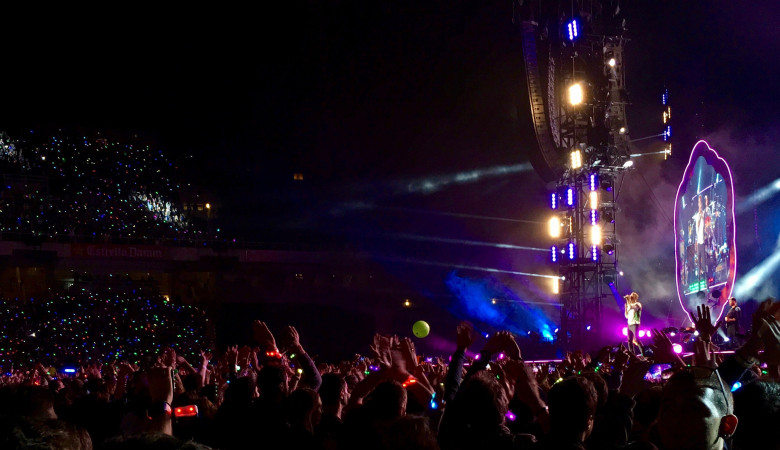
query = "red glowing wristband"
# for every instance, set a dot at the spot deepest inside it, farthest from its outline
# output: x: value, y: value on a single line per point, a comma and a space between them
x: 273, y: 354
x: 410, y: 380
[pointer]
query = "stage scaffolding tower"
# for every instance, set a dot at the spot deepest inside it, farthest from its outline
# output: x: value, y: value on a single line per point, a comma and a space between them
x: 582, y: 130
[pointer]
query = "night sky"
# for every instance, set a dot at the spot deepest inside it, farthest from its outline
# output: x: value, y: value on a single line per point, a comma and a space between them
x: 369, y: 99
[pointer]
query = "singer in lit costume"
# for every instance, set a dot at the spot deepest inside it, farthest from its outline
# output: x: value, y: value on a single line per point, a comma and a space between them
x: 634, y: 316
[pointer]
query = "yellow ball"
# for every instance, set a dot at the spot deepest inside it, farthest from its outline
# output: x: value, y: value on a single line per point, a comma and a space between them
x: 421, y: 328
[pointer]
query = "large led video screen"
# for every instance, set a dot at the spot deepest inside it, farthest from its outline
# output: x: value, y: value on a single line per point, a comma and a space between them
x: 706, y: 253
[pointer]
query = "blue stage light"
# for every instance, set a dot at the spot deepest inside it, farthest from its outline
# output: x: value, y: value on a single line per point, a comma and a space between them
x: 573, y: 29
x: 594, y: 217
x: 554, y: 253
x: 594, y: 182
x: 570, y: 196
x: 594, y: 251
x: 554, y: 200
x: 571, y: 250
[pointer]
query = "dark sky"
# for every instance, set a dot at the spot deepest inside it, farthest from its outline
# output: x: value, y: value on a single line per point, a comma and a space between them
x: 366, y: 97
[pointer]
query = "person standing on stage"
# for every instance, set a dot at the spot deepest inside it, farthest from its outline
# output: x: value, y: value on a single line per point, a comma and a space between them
x: 634, y: 315
x: 732, y: 321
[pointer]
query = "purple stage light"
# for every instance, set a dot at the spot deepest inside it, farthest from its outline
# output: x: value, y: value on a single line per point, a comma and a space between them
x: 571, y: 250
x: 677, y: 348
x: 554, y: 200
x: 641, y: 333
x: 570, y: 196
x: 594, y: 251
x: 594, y: 217
x: 501, y: 356
x: 554, y: 253
x: 510, y: 416
x: 625, y: 331
x: 594, y: 182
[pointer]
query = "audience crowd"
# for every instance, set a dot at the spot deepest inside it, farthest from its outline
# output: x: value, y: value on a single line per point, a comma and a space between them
x: 69, y: 186
x: 274, y: 395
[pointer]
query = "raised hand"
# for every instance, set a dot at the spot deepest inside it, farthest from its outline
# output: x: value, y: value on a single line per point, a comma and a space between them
x: 161, y: 384
x: 634, y: 378
x: 407, y: 350
x: 263, y: 336
x: 703, y: 323
x: 292, y: 340
x: 382, y: 348
x: 465, y: 335
x: 503, y: 340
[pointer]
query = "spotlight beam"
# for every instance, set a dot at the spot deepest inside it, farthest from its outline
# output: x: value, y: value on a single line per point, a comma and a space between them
x: 462, y: 215
x: 759, y: 196
x: 753, y: 280
x: 414, y: 237
x: 465, y: 267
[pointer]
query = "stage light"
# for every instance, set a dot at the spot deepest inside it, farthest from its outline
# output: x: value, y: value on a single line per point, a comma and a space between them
x: 726, y: 339
x: 587, y: 327
x: 570, y: 196
x: 407, y: 303
x: 576, y: 159
x: 555, y: 286
x: 554, y: 200
x: 594, y: 217
x: 641, y: 333
x: 554, y: 253
x: 611, y: 62
x: 594, y: 181
x: 677, y: 347
x: 672, y: 334
x: 555, y: 227
x: 594, y: 253
x: 594, y: 200
x: 573, y: 29
x: 609, y: 247
x: 606, y: 183
x: 493, y: 301
x: 608, y: 215
x: 622, y: 130
x: 595, y: 235
x: 555, y: 330
x: 625, y: 331
x: 576, y: 94
x: 621, y: 273
x: 572, y: 249
x: 628, y: 164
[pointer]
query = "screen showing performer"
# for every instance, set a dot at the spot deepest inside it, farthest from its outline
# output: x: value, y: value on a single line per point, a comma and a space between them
x: 704, y: 231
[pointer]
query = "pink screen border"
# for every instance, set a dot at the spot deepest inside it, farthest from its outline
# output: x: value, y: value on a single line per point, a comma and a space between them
x: 703, y: 149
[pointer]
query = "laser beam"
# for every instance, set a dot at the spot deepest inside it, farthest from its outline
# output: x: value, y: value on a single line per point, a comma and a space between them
x: 415, y: 237
x: 465, y: 267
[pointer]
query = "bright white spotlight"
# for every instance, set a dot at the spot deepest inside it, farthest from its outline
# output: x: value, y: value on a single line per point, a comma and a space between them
x: 576, y: 159
x: 576, y: 94
x: 594, y: 200
x: 628, y: 164
x: 595, y: 235
x: 555, y: 286
x: 555, y: 227
x: 611, y: 62
x: 677, y: 348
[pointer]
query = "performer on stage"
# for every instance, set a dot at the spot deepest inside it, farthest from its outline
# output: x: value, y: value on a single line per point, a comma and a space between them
x: 634, y: 315
x: 732, y: 321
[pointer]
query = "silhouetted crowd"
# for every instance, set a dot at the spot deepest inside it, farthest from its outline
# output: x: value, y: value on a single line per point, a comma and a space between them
x: 273, y: 395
